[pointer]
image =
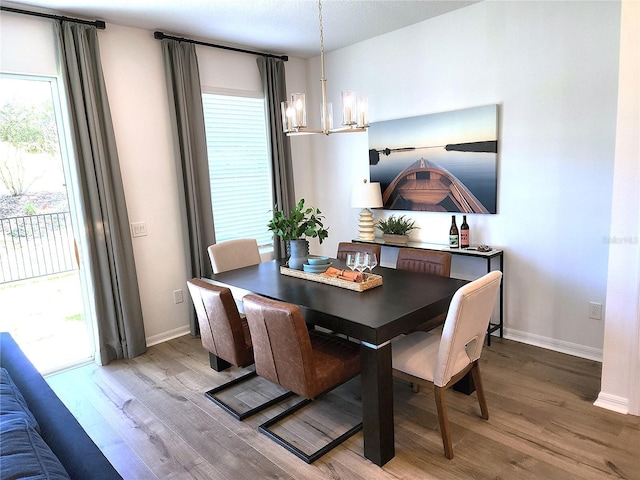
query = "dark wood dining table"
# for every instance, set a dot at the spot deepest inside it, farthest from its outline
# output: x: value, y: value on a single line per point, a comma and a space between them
x: 374, y: 317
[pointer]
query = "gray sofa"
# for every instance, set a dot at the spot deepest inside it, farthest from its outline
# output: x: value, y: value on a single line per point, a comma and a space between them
x: 39, y: 437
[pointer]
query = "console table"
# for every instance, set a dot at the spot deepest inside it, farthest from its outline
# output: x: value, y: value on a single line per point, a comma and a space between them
x: 491, y: 257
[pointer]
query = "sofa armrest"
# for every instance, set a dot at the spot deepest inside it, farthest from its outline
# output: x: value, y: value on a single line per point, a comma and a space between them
x: 67, y: 439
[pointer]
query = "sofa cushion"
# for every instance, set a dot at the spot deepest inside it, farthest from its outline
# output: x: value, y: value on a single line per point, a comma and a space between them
x: 25, y: 454
x: 12, y: 403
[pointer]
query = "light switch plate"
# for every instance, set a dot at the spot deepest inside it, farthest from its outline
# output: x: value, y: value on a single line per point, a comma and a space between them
x: 139, y: 229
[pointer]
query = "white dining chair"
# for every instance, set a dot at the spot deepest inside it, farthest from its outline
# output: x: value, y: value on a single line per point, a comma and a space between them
x: 443, y: 358
x: 232, y: 254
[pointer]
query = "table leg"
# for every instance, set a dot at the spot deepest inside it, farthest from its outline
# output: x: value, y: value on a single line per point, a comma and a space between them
x: 465, y: 385
x: 377, y: 402
x: 217, y: 363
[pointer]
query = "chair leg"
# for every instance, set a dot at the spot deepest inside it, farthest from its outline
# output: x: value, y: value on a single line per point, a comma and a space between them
x: 444, y: 422
x: 415, y: 387
x: 477, y: 380
x: 307, y: 457
x: 211, y: 395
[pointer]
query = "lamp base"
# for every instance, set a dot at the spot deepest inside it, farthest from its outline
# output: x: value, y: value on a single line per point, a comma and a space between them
x: 366, y: 229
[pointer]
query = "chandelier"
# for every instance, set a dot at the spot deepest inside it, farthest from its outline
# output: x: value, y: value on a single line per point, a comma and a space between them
x: 354, y: 108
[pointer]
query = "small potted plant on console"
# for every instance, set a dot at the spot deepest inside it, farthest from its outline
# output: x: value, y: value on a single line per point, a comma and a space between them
x: 396, y: 230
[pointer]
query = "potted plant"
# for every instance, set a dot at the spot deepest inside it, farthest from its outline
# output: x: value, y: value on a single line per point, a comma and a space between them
x: 396, y: 229
x: 294, y: 228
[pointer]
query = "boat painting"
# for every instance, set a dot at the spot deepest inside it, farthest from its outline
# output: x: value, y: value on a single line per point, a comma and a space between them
x: 444, y: 162
x: 425, y: 186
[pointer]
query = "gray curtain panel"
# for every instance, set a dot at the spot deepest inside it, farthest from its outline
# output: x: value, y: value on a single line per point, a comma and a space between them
x: 110, y: 251
x: 192, y: 166
x: 275, y: 92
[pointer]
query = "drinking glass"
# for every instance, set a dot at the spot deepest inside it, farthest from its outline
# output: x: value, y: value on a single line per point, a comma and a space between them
x: 361, y: 264
x: 351, y: 261
x: 371, y: 261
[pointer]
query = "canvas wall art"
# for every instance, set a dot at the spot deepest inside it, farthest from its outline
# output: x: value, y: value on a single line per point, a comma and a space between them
x: 443, y: 162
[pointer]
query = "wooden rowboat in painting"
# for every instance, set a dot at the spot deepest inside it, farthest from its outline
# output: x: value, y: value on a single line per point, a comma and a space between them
x: 425, y: 185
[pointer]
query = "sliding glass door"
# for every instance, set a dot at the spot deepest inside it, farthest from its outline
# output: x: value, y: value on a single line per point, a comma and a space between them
x: 43, y: 288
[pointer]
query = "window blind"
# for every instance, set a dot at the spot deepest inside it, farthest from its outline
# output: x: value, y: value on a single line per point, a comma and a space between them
x: 239, y: 167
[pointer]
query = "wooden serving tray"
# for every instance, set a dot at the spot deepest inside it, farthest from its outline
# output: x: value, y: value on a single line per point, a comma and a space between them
x: 371, y: 279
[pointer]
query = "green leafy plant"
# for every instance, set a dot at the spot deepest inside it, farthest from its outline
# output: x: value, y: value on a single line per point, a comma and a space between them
x: 396, y: 225
x: 30, y: 209
x: 300, y: 223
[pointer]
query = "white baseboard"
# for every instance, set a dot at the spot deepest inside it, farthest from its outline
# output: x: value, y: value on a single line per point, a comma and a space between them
x: 612, y: 402
x: 561, y: 346
x: 166, y: 336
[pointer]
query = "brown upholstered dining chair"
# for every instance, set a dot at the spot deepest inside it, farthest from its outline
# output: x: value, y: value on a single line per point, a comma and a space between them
x: 425, y: 261
x: 442, y: 359
x: 225, y: 335
x: 345, y: 248
x: 308, y: 363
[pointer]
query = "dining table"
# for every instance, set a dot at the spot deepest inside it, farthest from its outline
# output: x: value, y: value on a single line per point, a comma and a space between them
x: 372, y: 317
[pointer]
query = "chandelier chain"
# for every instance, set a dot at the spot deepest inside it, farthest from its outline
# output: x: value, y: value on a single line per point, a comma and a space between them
x: 321, y: 32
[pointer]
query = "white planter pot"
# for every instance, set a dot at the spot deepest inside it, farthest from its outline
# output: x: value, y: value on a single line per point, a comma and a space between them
x: 395, y: 239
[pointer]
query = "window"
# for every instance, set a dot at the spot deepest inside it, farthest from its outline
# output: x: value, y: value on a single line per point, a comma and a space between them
x: 239, y: 167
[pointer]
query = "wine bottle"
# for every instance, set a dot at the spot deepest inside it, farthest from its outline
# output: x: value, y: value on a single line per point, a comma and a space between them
x: 454, y: 238
x: 464, y: 233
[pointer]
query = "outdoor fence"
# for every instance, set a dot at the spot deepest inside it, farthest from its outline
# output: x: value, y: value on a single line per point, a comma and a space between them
x: 36, y: 245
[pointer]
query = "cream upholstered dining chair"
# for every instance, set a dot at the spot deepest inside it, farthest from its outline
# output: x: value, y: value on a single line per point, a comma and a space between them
x: 345, y: 248
x: 444, y: 358
x: 304, y: 361
x: 225, y: 335
x: 232, y: 254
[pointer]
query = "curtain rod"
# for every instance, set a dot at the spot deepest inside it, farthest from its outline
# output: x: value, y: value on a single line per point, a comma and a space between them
x: 96, y: 23
x: 160, y: 36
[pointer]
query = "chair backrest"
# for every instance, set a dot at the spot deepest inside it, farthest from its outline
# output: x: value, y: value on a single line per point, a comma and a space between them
x: 466, y: 326
x: 347, y: 247
x: 233, y: 254
x: 221, y: 328
x: 424, y: 261
x: 281, y: 344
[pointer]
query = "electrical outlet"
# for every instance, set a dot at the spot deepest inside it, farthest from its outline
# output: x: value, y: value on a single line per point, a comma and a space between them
x: 595, y: 310
x: 177, y: 296
x: 139, y: 229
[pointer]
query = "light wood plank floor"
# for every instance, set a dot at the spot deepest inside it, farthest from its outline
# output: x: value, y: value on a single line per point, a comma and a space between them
x: 150, y: 417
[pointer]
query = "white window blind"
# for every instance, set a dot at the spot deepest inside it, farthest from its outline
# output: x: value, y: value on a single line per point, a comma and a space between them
x: 239, y: 167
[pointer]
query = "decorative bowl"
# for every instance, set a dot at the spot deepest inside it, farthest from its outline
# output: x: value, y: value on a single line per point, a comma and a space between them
x: 315, y: 268
x: 317, y: 260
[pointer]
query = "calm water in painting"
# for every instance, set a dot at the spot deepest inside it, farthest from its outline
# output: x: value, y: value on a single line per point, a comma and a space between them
x: 411, y: 139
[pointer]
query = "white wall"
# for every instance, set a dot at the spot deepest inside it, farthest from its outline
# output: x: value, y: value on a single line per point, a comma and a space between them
x: 134, y: 76
x: 26, y: 45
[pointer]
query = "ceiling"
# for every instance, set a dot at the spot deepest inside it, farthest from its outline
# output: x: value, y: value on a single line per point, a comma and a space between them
x: 288, y: 27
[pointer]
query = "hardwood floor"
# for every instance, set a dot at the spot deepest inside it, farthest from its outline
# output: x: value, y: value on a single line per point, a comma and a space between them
x: 150, y: 417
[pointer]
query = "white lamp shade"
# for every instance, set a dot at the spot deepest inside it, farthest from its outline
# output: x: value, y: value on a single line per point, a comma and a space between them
x: 366, y: 195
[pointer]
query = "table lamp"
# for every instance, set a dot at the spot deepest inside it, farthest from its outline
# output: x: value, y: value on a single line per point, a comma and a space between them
x: 366, y: 195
